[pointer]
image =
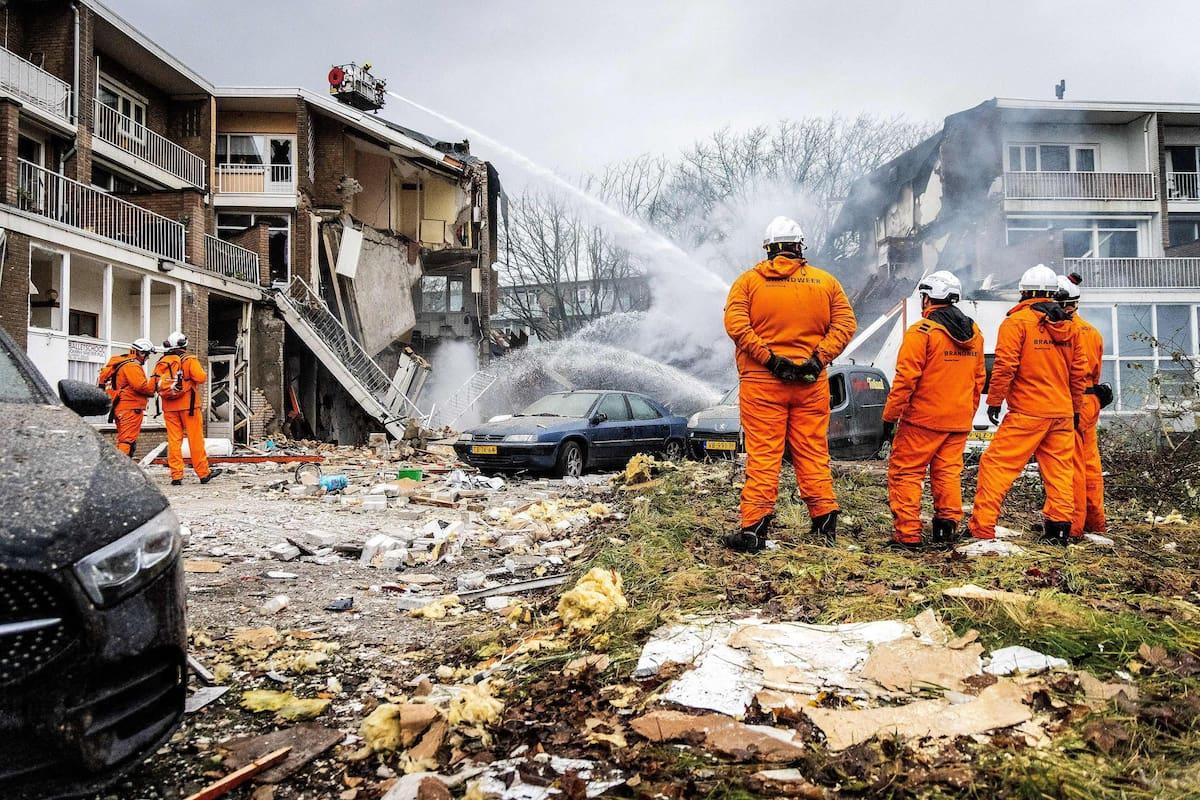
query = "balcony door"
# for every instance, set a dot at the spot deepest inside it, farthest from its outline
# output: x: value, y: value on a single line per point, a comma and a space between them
x: 1183, y: 172
x: 126, y: 115
x: 256, y: 163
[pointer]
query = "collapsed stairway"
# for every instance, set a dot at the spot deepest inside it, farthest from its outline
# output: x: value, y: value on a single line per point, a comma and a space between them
x: 463, y: 400
x: 392, y: 400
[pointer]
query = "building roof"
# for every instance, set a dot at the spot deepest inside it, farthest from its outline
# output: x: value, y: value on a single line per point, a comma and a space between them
x: 159, y: 66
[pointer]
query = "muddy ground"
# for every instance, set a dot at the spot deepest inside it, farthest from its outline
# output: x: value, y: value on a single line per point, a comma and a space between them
x: 1122, y: 610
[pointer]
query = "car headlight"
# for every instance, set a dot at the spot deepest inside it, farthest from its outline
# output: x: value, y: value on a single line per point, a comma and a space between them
x: 465, y: 437
x: 121, y: 568
x: 520, y: 437
x: 694, y: 420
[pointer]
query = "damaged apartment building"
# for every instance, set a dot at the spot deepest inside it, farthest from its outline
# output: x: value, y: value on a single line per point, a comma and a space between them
x: 1105, y: 189
x: 315, y: 255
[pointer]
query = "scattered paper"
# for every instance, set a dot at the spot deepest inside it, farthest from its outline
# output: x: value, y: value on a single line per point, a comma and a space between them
x: 1008, y: 660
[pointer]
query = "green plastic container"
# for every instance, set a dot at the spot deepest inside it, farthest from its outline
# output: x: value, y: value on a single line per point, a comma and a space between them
x: 411, y: 474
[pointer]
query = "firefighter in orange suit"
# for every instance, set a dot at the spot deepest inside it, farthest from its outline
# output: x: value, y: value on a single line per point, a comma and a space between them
x: 179, y: 375
x: 788, y: 320
x: 124, y: 379
x: 939, y: 377
x: 1089, y: 478
x: 1040, y: 371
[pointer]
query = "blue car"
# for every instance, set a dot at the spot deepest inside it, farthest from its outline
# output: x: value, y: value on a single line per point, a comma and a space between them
x: 569, y: 432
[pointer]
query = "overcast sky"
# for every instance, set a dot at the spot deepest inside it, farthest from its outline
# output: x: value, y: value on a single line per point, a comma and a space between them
x: 576, y: 84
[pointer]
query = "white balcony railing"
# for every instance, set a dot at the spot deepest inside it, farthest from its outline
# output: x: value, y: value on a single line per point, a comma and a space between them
x: 35, y: 86
x: 1079, y: 185
x: 255, y: 179
x: 117, y: 129
x: 228, y: 259
x: 59, y: 198
x: 1137, y: 273
x: 1183, y: 186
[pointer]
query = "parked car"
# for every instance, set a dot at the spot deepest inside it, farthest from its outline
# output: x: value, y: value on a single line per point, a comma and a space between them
x: 569, y: 432
x: 856, y: 398
x: 92, y: 634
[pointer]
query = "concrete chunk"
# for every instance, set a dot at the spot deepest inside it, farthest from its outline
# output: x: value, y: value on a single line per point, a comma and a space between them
x: 283, y: 551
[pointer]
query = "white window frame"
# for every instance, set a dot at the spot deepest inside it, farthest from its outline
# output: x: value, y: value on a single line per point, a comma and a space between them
x: 1144, y: 244
x: 254, y: 215
x: 1073, y: 156
x: 1091, y: 311
x: 134, y: 130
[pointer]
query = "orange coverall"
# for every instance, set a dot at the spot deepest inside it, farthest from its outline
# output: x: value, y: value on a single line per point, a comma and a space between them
x: 1089, y: 474
x: 939, y: 376
x: 183, y: 415
x: 788, y: 307
x: 130, y: 392
x: 1041, y: 371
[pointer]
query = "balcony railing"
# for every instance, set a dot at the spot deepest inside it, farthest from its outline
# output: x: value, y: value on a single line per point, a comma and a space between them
x: 1183, y: 186
x: 35, y: 86
x: 1079, y: 185
x: 255, y: 179
x: 1137, y: 273
x: 117, y: 129
x: 59, y: 198
x: 226, y: 258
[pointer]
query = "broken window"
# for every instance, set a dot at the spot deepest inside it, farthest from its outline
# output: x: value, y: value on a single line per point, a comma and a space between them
x: 45, y: 288
x: 433, y: 294
x: 1183, y: 229
x: 279, y: 238
x: 456, y: 295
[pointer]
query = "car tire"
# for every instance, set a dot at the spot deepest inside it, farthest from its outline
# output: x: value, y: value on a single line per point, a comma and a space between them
x: 674, y: 451
x: 570, y: 460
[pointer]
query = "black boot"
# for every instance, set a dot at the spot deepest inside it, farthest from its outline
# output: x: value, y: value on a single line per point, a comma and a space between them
x: 825, y: 526
x: 177, y: 482
x: 211, y: 475
x: 749, y: 540
x: 1057, y: 532
x: 945, y: 532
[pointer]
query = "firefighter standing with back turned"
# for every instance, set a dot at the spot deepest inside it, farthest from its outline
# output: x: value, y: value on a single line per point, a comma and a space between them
x: 1089, y: 478
x: 939, y: 376
x: 1040, y: 371
x: 788, y: 320
x: 178, y: 374
x: 124, y: 379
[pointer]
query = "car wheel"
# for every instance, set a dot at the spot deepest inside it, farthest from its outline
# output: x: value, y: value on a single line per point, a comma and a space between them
x: 570, y: 460
x: 674, y: 450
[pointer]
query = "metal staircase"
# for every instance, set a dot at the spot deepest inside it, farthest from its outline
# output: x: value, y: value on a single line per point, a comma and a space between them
x: 463, y: 399
x: 389, y: 400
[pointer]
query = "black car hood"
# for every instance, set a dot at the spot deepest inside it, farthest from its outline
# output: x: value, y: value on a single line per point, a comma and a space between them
x: 534, y: 425
x: 66, y: 491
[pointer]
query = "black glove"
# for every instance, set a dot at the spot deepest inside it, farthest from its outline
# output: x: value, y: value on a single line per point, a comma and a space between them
x: 994, y: 414
x: 1104, y: 393
x: 889, y: 430
x: 783, y: 368
x: 1076, y: 422
x: 811, y: 370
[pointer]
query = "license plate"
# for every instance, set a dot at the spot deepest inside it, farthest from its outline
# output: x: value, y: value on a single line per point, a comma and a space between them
x: 720, y: 445
x: 981, y: 436
x: 484, y: 450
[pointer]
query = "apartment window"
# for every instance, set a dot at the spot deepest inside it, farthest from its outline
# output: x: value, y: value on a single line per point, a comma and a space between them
x: 130, y: 109
x: 433, y: 294
x: 29, y: 149
x: 112, y: 181
x: 1183, y: 229
x: 279, y: 238
x: 1052, y: 158
x: 1146, y: 348
x: 45, y: 289
x: 1183, y: 173
x: 456, y: 295
x: 251, y: 162
x: 1183, y: 159
x: 1083, y: 237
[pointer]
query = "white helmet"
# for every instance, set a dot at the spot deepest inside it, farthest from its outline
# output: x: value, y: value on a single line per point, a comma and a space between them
x: 1039, y: 279
x: 941, y: 285
x: 175, y: 341
x: 783, y: 230
x: 143, y: 345
x: 1068, y: 288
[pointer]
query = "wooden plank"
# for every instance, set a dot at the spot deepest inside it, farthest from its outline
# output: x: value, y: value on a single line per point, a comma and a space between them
x: 233, y: 780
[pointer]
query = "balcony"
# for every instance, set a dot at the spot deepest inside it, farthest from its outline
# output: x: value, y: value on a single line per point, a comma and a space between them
x: 142, y: 143
x: 34, y: 86
x: 255, y: 179
x: 1136, y: 273
x: 1183, y: 185
x: 1079, y: 186
x: 69, y: 202
x: 227, y: 259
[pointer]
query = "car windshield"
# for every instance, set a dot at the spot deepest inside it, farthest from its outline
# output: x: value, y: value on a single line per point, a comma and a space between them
x: 575, y: 404
x: 15, y: 387
x: 730, y: 398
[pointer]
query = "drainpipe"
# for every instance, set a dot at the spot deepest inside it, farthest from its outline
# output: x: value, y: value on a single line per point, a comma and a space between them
x: 1146, y: 140
x: 64, y: 158
x: 75, y: 93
